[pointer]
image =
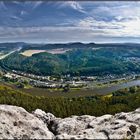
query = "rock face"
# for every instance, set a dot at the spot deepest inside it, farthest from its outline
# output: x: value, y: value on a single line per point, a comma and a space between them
x: 17, y: 123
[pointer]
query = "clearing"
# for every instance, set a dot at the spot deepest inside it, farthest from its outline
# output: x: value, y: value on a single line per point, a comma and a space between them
x: 52, y: 51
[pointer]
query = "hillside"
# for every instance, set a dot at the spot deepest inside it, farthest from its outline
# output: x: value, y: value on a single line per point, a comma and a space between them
x: 17, y: 123
x: 66, y: 121
x: 82, y: 61
x: 97, y: 105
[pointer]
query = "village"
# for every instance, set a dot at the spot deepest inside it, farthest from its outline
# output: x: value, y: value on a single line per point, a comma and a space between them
x: 22, y: 79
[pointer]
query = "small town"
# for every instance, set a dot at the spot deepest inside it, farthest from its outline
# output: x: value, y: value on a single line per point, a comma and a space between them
x: 53, y: 82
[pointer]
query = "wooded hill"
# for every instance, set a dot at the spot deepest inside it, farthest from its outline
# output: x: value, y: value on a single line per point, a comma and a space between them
x: 87, y: 61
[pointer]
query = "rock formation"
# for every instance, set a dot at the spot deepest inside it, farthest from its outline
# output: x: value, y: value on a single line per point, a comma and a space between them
x: 17, y: 123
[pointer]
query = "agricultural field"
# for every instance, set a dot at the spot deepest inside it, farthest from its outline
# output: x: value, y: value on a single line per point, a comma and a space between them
x: 31, y: 52
x: 52, y: 51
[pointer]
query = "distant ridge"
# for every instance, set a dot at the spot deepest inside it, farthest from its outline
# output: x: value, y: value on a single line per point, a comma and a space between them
x: 71, y: 45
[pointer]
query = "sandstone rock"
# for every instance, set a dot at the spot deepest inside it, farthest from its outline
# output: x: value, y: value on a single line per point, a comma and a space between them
x: 100, y: 120
x: 45, y: 117
x: 66, y: 137
x: 137, y: 110
x: 68, y: 125
x: 17, y: 123
x: 86, y: 118
x: 91, y: 134
x: 122, y: 126
x: 85, y: 134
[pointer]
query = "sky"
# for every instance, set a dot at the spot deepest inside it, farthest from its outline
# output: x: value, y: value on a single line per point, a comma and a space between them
x: 70, y: 21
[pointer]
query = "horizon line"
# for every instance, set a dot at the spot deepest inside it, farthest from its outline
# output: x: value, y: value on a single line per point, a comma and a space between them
x: 70, y: 42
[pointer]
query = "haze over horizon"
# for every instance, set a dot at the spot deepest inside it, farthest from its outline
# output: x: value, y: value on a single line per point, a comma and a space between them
x: 71, y: 21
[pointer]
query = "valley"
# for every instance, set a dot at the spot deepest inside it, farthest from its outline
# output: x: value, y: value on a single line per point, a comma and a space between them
x: 74, y: 71
x: 69, y: 70
x: 67, y: 86
x: 98, y: 81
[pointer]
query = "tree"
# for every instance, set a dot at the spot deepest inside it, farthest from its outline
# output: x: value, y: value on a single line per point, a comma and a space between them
x: 66, y: 88
x: 132, y: 89
x: 20, y: 85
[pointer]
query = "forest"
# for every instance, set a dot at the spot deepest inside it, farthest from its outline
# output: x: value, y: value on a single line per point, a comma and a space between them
x: 120, y: 101
x: 79, y: 61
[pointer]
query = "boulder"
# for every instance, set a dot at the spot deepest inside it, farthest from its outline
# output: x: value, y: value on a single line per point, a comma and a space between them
x: 45, y: 117
x: 120, y: 126
x: 17, y: 123
x: 70, y: 126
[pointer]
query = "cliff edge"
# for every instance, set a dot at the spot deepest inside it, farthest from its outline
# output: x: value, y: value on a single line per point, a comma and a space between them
x: 17, y: 123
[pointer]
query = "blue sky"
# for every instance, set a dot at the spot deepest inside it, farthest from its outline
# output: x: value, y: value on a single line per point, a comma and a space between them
x: 71, y: 21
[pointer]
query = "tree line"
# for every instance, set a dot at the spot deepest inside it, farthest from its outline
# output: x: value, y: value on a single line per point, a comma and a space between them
x: 97, y: 105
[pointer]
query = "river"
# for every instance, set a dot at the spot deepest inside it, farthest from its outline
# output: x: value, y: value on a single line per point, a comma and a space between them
x: 113, y: 88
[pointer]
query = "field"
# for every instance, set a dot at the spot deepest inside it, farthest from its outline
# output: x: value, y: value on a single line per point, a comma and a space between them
x: 55, y: 92
x: 31, y: 52
x: 59, y: 93
x: 58, y: 51
x: 52, y: 51
x: 101, y: 89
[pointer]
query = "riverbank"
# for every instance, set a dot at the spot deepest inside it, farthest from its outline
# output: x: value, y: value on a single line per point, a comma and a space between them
x: 74, y: 92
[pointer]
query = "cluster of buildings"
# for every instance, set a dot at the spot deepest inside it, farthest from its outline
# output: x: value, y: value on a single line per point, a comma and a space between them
x: 48, y: 81
x: 60, y: 82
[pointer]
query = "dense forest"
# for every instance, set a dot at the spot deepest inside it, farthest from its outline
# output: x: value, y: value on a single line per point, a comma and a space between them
x: 83, y: 61
x: 123, y: 100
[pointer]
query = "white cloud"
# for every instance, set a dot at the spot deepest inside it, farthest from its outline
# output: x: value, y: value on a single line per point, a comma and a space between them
x: 15, y: 18
x: 100, y: 24
x: 22, y: 13
x: 105, y: 20
x: 75, y: 5
x: 36, y: 4
x: 86, y: 29
x: 113, y: 9
x: 114, y: 28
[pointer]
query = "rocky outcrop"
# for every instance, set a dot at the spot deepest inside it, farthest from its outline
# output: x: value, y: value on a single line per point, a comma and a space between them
x: 17, y: 123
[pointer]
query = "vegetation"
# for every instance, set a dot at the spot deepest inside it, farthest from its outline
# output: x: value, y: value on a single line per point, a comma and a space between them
x: 62, y: 107
x: 82, y: 60
x: 101, y: 61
